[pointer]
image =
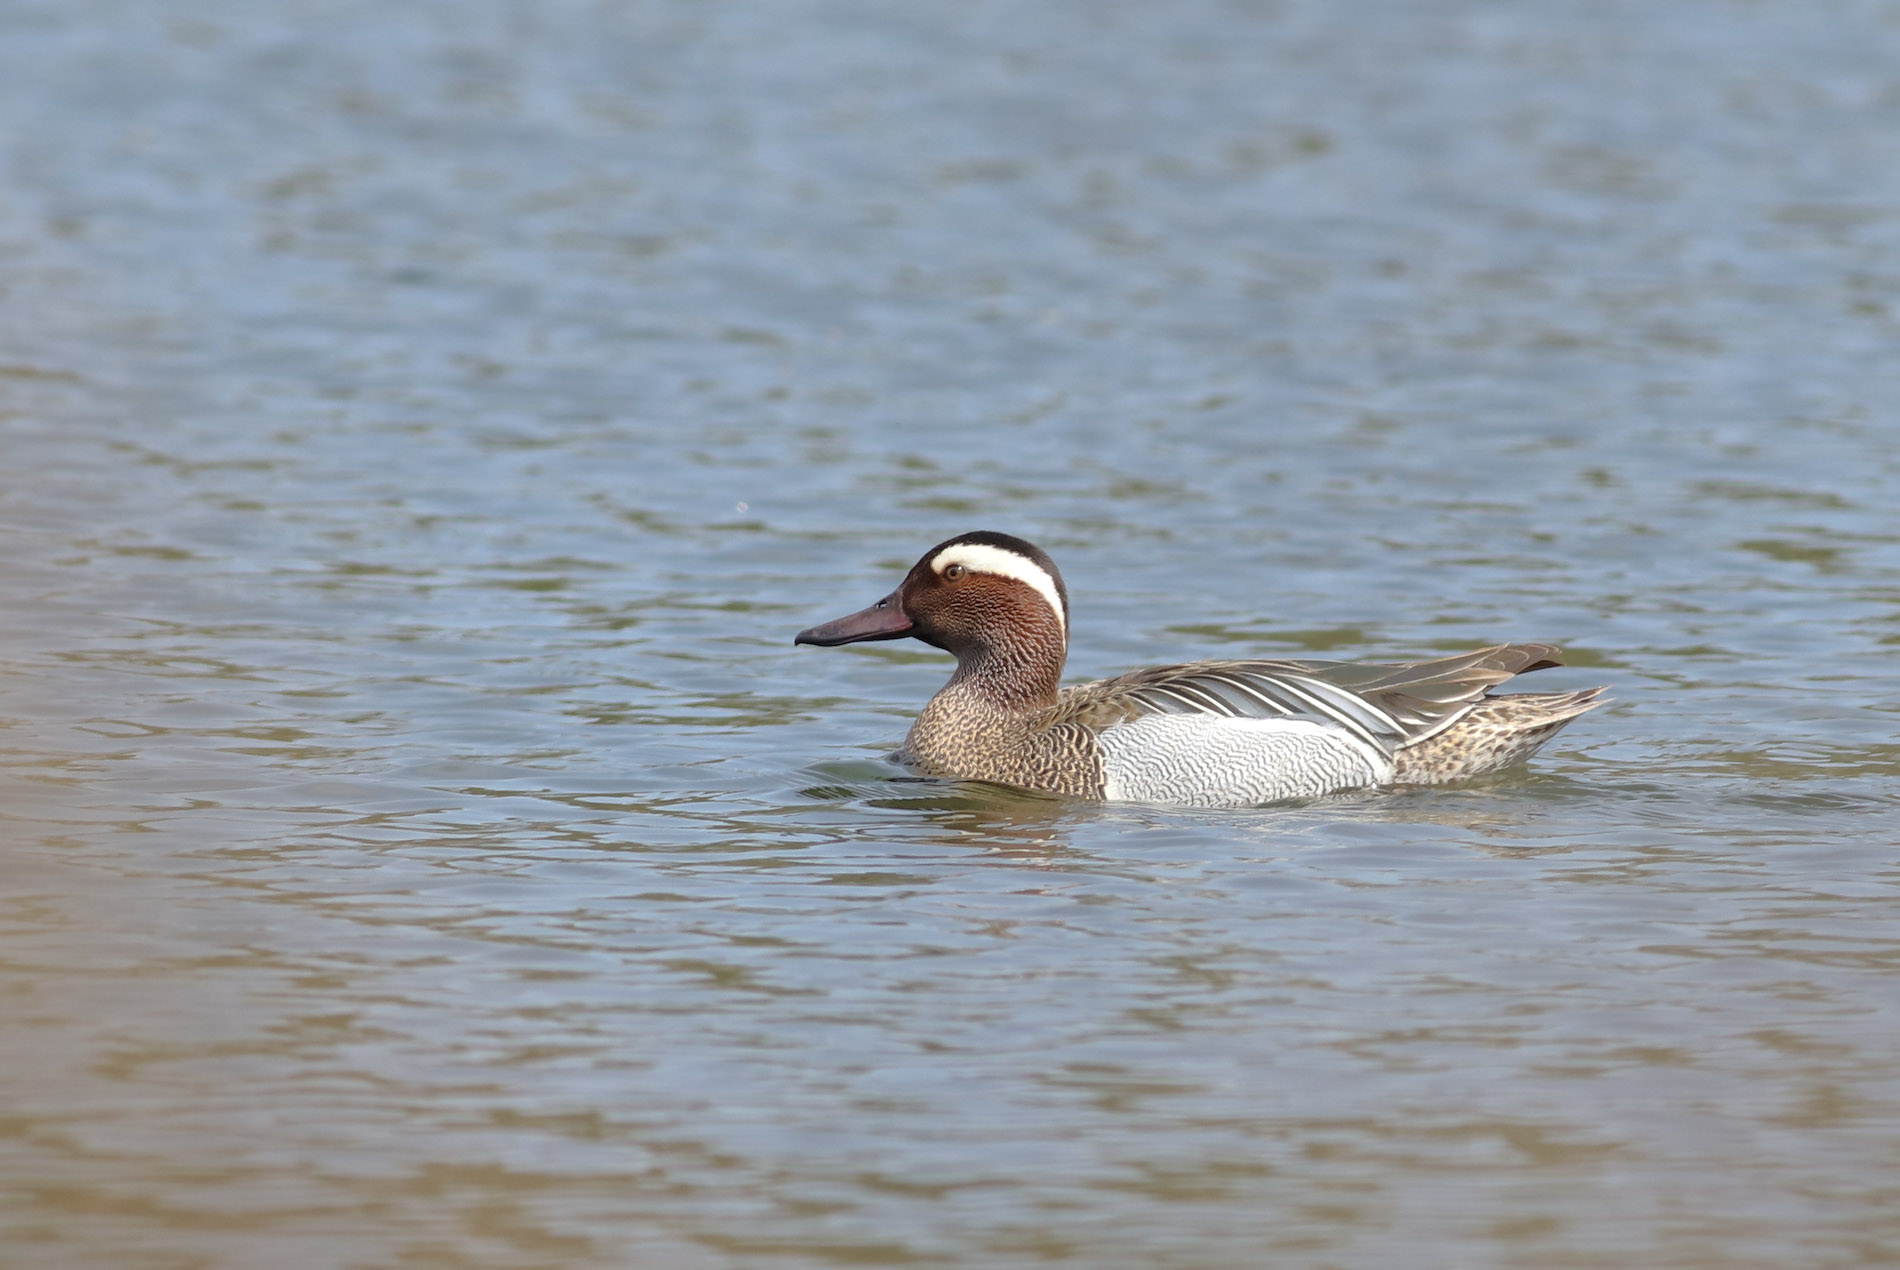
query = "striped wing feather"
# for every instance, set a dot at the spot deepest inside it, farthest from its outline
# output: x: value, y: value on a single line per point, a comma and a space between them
x: 1387, y: 706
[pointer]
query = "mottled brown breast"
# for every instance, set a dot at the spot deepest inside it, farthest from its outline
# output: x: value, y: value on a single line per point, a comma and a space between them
x: 961, y: 736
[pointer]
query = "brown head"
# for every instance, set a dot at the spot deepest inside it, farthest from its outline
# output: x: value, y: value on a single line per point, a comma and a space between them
x: 994, y: 600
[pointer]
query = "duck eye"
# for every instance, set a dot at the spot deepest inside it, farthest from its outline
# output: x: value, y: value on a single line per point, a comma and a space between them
x: 953, y: 571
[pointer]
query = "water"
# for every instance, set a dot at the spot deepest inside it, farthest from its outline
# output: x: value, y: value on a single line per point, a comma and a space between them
x: 426, y: 425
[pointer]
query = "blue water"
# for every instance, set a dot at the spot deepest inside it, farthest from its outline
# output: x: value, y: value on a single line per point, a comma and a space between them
x: 425, y: 427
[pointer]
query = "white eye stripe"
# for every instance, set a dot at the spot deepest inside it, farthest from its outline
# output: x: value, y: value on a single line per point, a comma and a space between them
x: 981, y: 558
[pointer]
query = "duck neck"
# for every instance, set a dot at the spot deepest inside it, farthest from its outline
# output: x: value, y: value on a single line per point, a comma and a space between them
x: 1022, y: 674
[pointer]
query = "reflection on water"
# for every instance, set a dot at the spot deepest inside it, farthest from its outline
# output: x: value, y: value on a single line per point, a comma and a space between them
x: 424, y: 431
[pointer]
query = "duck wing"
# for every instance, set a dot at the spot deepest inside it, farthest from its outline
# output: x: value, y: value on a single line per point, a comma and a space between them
x: 1385, y: 706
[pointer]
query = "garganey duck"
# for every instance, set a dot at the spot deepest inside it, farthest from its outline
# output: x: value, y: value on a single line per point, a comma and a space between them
x: 1204, y: 733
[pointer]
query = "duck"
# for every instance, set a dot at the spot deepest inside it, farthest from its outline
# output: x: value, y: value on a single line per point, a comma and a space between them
x: 1214, y: 733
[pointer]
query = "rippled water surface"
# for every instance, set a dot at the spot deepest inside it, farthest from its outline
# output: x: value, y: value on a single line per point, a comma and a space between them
x: 426, y: 424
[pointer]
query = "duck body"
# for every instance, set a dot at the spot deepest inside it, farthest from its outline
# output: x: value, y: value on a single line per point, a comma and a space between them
x: 1237, y: 733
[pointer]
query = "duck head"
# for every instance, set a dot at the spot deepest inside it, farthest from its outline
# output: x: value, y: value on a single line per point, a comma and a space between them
x: 982, y: 596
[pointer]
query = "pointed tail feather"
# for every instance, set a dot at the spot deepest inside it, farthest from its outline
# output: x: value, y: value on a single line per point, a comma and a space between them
x: 1497, y: 733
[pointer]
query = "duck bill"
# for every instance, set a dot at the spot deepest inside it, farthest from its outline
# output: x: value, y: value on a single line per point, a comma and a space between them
x: 883, y: 620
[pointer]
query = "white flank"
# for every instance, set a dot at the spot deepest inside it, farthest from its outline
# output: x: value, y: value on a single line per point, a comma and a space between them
x: 980, y: 557
x: 1203, y: 760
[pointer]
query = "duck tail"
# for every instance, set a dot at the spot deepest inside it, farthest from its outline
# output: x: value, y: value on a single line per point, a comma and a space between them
x: 1496, y: 733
